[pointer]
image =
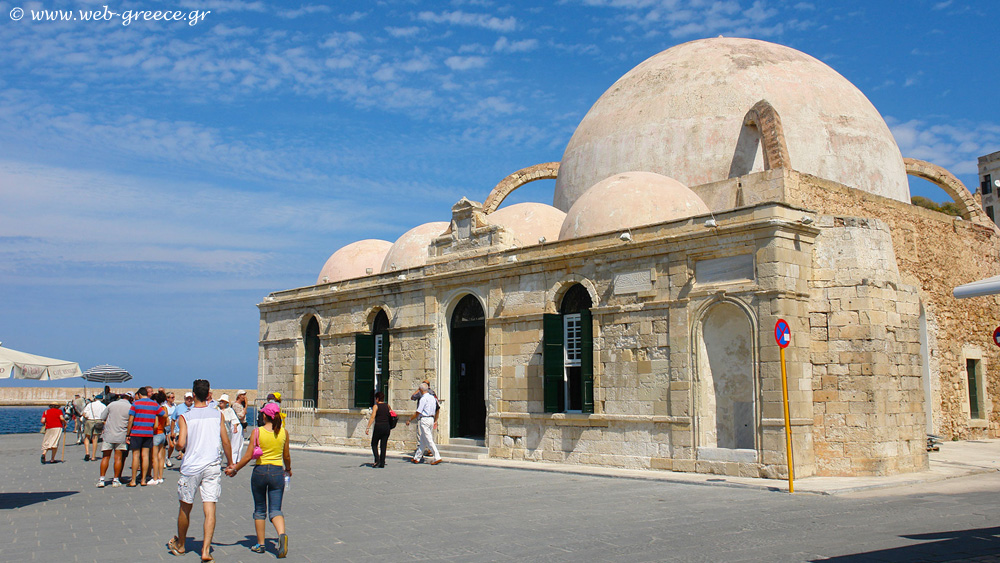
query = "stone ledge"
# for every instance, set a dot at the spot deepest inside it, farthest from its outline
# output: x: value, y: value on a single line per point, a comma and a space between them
x: 575, y: 419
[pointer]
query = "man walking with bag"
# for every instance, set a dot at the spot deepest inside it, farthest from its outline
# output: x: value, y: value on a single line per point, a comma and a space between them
x: 202, y: 434
x: 426, y: 409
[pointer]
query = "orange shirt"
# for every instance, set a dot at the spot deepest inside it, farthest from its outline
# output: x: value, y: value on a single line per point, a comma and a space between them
x: 161, y: 420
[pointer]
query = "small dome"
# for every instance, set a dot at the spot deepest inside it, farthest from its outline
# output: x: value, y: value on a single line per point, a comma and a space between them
x: 410, y: 250
x: 354, y: 260
x: 630, y: 199
x: 680, y: 113
x: 529, y: 222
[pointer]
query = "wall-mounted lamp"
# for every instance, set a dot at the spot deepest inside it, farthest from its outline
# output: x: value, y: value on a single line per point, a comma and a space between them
x: 401, y: 277
x: 368, y: 271
x: 541, y: 240
x: 626, y: 236
x: 711, y: 223
x: 512, y: 258
x: 334, y: 288
x: 806, y: 220
x: 325, y: 279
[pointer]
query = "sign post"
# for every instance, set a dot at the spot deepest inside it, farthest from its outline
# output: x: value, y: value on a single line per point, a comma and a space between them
x: 783, y: 336
x: 996, y: 336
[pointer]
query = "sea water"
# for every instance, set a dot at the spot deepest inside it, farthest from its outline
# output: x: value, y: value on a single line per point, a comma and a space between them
x: 21, y: 420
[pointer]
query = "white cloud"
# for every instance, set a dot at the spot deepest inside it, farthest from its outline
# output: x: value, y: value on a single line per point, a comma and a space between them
x: 303, y: 11
x: 953, y: 146
x: 504, y: 45
x: 353, y: 17
x: 461, y: 18
x: 403, y: 31
x: 465, y: 63
x: 342, y: 39
x: 224, y: 5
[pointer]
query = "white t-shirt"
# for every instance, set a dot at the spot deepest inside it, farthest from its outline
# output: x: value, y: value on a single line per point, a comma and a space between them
x: 94, y: 410
x: 203, y: 439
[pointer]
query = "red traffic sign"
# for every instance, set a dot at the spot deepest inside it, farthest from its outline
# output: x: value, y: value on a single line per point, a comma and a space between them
x: 783, y: 333
x: 996, y: 336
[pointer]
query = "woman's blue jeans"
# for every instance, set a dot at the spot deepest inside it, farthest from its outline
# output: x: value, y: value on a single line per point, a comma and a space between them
x: 268, y: 486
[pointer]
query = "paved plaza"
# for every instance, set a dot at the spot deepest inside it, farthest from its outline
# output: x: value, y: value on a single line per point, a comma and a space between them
x: 339, y: 509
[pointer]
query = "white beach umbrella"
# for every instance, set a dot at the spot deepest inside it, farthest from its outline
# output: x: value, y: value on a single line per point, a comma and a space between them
x: 21, y: 365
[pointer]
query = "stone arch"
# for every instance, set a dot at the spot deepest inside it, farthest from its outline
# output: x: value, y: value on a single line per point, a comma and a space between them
x: 373, y: 312
x: 544, y: 171
x: 765, y: 118
x: 559, y: 289
x: 966, y: 202
x: 727, y: 389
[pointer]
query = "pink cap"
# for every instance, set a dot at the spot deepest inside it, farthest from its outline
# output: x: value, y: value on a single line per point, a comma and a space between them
x: 271, y: 409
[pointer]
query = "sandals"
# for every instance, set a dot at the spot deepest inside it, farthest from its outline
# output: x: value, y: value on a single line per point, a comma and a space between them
x: 175, y: 546
x: 282, y: 546
x: 257, y: 548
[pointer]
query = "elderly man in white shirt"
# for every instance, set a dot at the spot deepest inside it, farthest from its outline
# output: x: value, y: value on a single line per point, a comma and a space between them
x: 426, y: 409
x: 93, y: 426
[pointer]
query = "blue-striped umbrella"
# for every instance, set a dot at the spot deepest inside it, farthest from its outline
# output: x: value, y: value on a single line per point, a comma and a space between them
x: 106, y: 374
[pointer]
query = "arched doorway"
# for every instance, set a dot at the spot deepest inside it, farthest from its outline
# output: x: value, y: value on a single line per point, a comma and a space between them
x: 310, y: 383
x: 468, y: 373
x: 380, y: 331
x: 728, y: 407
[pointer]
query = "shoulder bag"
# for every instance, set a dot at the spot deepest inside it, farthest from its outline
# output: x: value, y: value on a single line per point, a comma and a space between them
x: 257, y: 452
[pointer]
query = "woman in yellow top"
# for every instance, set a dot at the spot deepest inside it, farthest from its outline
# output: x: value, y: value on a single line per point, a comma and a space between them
x: 268, y: 480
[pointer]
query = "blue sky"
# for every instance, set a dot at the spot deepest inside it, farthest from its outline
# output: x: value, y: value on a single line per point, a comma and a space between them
x: 158, y: 179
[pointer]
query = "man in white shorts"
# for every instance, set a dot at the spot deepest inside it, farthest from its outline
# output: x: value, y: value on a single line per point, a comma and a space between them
x: 202, y: 434
x: 114, y: 434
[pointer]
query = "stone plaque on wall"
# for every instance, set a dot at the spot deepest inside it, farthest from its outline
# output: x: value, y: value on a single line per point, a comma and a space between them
x: 633, y: 282
x: 724, y: 270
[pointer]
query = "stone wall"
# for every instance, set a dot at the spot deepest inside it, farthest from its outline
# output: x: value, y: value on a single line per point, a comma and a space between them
x: 865, y: 348
x: 934, y: 253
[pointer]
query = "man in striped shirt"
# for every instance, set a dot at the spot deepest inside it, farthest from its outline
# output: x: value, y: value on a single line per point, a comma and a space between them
x: 141, y: 420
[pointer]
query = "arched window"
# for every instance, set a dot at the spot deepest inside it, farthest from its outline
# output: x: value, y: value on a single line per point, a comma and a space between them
x: 371, y: 362
x: 569, y: 354
x: 310, y: 383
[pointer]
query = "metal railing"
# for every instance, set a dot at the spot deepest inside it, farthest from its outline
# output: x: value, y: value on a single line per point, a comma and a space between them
x: 299, y: 420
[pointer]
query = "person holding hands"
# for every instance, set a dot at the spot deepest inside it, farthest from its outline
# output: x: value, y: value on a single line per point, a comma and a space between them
x: 269, y: 446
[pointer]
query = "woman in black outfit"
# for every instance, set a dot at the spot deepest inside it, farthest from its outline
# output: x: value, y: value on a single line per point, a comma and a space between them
x: 380, y: 438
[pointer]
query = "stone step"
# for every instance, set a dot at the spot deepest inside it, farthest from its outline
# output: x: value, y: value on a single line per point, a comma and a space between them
x: 453, y: 454
x: 461, y: 448
x: 464, y: 448
x: 467, y: 442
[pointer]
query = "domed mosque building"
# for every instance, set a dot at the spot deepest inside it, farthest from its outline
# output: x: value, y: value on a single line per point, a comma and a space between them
x: 715, y: 189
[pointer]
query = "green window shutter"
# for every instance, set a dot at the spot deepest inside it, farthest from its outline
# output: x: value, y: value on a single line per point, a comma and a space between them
x: 552, y: 362
x: 587, y: 359
x: 364, y: 370
x: 384, y: 384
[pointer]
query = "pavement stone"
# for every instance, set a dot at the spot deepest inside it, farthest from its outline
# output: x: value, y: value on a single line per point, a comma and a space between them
x: 339, y: 509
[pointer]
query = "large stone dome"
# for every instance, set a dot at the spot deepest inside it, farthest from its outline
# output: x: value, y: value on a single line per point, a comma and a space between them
x: 411, y: 249
x: 354, y: 260
x: 680, y: 113
x: 631, y: 199
x: 528, y: 222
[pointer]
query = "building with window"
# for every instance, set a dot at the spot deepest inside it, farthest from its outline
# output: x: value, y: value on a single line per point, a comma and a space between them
x: 716, y: 188
x: 989, y: 183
